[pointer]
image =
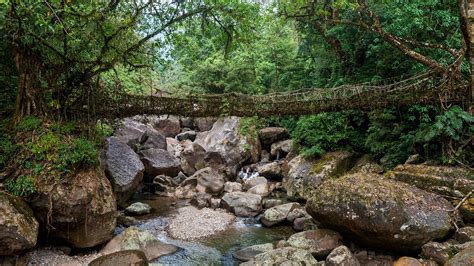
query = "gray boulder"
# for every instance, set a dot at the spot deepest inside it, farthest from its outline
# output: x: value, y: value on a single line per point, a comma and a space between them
x: 381, y: 213
x: 160, y: 162
x: 232, y: 187
x: 192, y: 157
x: 285, y: 256
x: 224, y: 141
x: 270, y: 170
x: 319, y: 242
x: 164, y: 185
x: 123, y: 168
x: 465, y: 257
x: 341, y: 256
x: 81, y: 209
x: 204, y: 123
x: 242, y: 204
x: 304, y: 175
x: 281, y: 148
x: 262, y: 189
x: 134, y: 238
x: 169, y: 126
x: 18, y: 226
x: 271, y: 135
x: 252, y: 182
x: 125, y: 257
x: 209, y: 181
x: 201, y: 200
x: 464, y: 234
x: 277, y: 214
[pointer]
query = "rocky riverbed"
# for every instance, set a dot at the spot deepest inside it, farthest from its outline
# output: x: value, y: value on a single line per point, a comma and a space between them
x: 202, y: 191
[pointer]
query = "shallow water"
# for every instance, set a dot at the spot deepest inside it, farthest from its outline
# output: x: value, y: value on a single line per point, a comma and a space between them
x: 214, y: 250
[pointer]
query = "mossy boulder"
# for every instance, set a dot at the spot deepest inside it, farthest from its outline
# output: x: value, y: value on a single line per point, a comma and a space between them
x: 442, y: 180
x: 134, y: 238
x: 79, y: 209
x: 18, y: 227
x: 381, y: 213
x: 304, y: 175
x: 284, y: 256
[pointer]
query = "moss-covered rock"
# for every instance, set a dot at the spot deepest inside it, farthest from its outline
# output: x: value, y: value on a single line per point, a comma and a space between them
x: 18, y: 227
x: 381, y: 213
x: 80, y: 209
x: 443, y: 180
x: 304, y: 175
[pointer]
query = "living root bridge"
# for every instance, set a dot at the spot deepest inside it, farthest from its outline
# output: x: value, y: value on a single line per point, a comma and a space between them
x: 424, y: 88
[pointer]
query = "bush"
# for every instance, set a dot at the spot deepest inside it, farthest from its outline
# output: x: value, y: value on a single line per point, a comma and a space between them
x: 28, y: 123
x: 329, y: 131
x: 104, y: 130
x: 22, y: 186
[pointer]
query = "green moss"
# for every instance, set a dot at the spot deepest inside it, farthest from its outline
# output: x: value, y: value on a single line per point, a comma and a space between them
x: 317, y: 167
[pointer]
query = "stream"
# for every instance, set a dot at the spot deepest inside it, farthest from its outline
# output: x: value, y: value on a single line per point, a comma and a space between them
x: 213, y: 250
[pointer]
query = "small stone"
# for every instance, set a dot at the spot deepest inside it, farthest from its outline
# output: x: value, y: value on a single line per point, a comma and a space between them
x: 439, y: 252
x: 269, y: 203
x: 232, y: 187
x: 138, y: 208
x: 296, y: 213
x: 187, y: 135
x: 126, y: 220
x: 341, y: 256
x: 201, y: 200
x: 464, y: 234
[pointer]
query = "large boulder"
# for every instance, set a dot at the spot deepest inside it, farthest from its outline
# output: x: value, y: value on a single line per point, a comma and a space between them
x: 381, y: 213
x: 192, y: 158
x: 164, y: 185
x: 281, y: 148
x: 124, y: 257
x: 252, y: 182
x: 262, y: 189
x: 454, y: 183
x: 134, y: 238
x: 123, y: 168
x: 204, y: 123
x: 442, y: 180
x: 139, y: 135
x: 284, y: 256
x: 18, y: 227
x: 80, y: 209
x: 270, y: 170
x: 319, y: 242
x: 207, y: 180
x: 226, y: 142
x: 465, y: 257
x: 160, y: 162
x: 271, y: 135
x: 242, y: 204
x: 167, y: 125
x: 277, y: 214
x: 304, y: 175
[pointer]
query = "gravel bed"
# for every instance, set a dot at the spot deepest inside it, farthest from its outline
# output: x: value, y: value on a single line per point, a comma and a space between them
x: 191, y: 223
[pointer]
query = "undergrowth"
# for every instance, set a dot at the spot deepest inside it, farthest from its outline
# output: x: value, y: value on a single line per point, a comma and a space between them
x: 35, y: 151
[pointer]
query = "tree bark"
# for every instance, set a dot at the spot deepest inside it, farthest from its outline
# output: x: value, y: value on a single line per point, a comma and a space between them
x: 470, y: 29
x: 28, y: 99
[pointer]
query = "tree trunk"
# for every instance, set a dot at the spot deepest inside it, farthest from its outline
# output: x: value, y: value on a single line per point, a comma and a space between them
x: 28, y: 99
x: 471, y: 53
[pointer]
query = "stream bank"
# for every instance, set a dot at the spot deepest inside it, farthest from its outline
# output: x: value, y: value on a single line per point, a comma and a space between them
x: 306, y: 210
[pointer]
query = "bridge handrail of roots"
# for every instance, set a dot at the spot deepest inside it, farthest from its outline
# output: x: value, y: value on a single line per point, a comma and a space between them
x: 426, y: 87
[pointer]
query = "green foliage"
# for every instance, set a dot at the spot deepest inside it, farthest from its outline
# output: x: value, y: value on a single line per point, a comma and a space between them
x: 28, y: 123
x: 329, y: 131
x: 249, y: 126
x: 22, y: 186
x: 63, y: 128
x: 451, y: 124
x: 7, y: 149
x: 83, y: 152
x: 103, y: 129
